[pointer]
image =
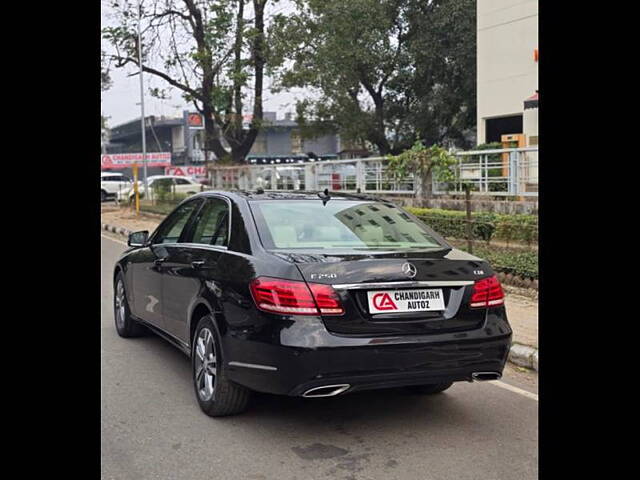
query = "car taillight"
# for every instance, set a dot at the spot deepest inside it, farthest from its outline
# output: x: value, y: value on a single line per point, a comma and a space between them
x: 295, y: 298
x: 326, y: 298
x: 487, y: 293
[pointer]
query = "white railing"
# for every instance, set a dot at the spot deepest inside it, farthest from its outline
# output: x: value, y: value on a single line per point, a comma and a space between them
x: 363, y: 174
x: 501, y: 172
x: 505, y: 172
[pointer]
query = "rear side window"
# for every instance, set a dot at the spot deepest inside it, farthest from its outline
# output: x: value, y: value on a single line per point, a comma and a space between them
x: 212, y: 224
x: 182, y: 181
x: 171, y: 230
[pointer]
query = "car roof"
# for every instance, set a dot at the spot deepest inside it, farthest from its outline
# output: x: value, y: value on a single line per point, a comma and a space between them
x: 109, y: 174
x: 297, y: 195
x: 167, y: 176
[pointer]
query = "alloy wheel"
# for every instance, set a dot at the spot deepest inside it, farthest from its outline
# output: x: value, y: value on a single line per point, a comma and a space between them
x: 119, y: 304
x: 205, y: 364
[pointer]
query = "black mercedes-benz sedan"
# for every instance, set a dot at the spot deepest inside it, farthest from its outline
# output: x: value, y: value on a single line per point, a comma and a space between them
x: 310, y: 295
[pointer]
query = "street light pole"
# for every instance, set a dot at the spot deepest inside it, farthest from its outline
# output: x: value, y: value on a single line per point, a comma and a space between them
x: 142, y: 122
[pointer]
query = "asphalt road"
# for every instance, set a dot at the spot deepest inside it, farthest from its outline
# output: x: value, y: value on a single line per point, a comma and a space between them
x: 152, y: 427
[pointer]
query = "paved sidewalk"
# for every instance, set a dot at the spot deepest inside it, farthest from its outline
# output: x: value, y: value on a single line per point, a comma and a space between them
x: 523, y: 317
x: 127, y: 219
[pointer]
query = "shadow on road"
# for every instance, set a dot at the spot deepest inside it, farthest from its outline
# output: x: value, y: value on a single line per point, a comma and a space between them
x: 388, y: 407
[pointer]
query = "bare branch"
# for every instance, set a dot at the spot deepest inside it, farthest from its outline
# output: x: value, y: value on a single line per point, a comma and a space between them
x: 122, y: 61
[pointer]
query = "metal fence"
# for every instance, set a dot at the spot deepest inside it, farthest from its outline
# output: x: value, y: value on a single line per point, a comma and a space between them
x: 508, y: 172
x: 365, y: 175
x: 500, y: 172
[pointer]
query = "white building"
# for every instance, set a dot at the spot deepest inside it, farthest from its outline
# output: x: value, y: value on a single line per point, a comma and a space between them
x: 507, y: 64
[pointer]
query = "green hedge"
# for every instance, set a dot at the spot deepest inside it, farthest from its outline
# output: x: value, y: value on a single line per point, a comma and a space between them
x: 521, y: 263
x: 162, y: 206
x: 517, y: 262
x: 486, y: 226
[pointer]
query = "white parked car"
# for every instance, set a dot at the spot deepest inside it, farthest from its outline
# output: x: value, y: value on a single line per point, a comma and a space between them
x: 112, y: 184
x: 177, y: 184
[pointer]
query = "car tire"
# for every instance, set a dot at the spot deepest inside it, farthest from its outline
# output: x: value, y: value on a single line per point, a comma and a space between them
x: 216, y: 394
x: 103, y: 195
x: 429, y: 389
x: 126, y: 326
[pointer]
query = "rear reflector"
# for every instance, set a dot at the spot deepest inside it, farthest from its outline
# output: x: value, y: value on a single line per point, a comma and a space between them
x: 487, y: 293
x: 295, y: 298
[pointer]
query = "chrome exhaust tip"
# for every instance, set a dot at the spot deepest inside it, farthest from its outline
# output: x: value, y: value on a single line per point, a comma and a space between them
x: 326, y: 391
x: 485, y: 376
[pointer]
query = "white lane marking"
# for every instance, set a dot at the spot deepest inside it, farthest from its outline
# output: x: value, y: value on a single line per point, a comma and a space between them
x: 496, y: 383
x: 114, y: 240
x: 511, y: 388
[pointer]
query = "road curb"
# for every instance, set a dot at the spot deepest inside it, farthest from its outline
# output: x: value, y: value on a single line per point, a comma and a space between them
x: 519, y: 354
x: 118, y: 230
x: 524, y: 356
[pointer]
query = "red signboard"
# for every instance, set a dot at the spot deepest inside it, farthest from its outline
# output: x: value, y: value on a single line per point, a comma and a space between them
x: 195, y: 120
x: 194, y: 171
x: 126, y: 160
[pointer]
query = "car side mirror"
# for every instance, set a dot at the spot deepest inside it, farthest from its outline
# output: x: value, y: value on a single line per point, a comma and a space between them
x: 138, y: 239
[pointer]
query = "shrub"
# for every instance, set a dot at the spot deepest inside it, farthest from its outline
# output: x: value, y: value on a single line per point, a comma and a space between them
x: 486, y: 226
x: 516, y: 262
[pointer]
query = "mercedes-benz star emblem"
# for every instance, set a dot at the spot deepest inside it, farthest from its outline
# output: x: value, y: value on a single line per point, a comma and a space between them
x: 409, y: 269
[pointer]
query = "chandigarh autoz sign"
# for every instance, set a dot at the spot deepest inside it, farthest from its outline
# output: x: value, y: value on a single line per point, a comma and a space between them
x: 399, y: 301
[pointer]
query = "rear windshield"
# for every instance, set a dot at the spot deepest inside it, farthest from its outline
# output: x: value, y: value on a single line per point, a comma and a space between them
x: 307, y: 224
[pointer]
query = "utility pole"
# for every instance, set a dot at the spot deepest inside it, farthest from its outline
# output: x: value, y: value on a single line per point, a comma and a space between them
x: 142, y: 122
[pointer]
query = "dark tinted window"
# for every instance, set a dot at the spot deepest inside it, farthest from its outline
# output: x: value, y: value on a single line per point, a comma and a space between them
x: 182, y: 181
x: 171, y: 230
x: 212, y: 223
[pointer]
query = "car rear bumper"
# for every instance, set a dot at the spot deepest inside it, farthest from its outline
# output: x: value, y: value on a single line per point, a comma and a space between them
x: 303, y: 355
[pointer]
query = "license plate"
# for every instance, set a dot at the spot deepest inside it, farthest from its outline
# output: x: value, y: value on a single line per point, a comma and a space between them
x: 399, y: 301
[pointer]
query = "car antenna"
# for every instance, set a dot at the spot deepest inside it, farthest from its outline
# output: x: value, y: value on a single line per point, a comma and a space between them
x: 324, y: 196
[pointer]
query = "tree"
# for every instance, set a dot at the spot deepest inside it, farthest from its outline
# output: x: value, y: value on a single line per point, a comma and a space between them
x: 384, y: 71
x: 105, y: 77
x: 209, y: 51
x: 425, y: 163
x: 443, y: 49
x: 105, y: 84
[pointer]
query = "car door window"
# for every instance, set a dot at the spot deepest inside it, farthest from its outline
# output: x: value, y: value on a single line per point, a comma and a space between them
x: 212, y: 223
x: 172, y: 229
x: 182, y: 181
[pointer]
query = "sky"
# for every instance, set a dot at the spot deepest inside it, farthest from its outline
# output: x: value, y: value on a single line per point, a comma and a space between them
x: 121, y: 103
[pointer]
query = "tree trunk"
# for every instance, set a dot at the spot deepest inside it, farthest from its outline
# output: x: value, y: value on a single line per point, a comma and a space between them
x: 376, y: 134
x: 237, y: 69
x: 426, y: 187
x: 241, y: 142
x: 212, y: 141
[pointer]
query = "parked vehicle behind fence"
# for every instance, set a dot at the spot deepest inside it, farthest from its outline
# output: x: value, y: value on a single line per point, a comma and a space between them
x: 160, y: 185
x: 112, y: 184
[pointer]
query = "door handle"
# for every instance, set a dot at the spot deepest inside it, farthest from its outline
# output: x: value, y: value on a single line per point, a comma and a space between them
x: 197, y: 264
x: 159, y: 261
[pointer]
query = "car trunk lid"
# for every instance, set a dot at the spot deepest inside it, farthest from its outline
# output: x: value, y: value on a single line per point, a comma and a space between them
x: 384, y: 296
